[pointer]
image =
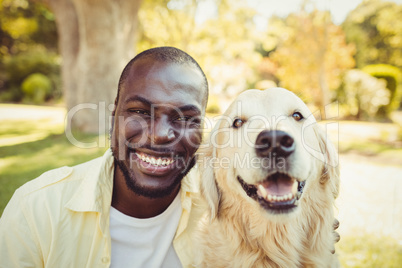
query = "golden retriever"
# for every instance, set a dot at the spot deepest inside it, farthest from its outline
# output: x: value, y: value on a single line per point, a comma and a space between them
x: 270, y: 178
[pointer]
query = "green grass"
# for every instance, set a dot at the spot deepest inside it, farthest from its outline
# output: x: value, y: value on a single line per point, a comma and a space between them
x: 369, y: 251
x: 36, y: 146
x: 370, y: 148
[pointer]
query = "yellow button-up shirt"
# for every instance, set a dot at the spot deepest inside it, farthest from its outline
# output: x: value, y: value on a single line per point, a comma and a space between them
x: 61, y: 219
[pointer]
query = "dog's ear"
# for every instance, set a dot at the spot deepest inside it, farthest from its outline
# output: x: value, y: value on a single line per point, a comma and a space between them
x: 209, y: 189
x: 331, y: 161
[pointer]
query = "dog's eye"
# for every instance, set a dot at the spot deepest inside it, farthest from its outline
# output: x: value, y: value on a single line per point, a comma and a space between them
x: 297, y: 116
x: 237, y: 123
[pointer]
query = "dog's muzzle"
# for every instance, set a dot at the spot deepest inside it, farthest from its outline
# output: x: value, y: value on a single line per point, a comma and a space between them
x: 278, y: 193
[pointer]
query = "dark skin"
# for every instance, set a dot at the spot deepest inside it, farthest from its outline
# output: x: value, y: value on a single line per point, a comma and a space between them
x: 157, y: 118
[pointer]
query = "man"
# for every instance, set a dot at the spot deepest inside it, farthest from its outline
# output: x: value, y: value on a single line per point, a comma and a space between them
x: 133, y: 206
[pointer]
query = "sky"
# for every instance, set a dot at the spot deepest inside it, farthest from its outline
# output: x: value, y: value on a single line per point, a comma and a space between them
x: 266, y: 8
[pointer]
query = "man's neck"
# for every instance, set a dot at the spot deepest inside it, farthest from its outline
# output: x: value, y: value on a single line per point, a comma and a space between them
x: 134, y: 205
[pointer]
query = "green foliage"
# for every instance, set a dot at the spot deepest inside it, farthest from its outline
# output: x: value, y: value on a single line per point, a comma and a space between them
x: 223, y: 44
x: 24, y: 24
x: 375, y: 28
x: 28, y: 44
x: 361, y: 95
x: 392, y: 76
x: 36, y: 87
x: 311, y: 55
x: 19, y: 67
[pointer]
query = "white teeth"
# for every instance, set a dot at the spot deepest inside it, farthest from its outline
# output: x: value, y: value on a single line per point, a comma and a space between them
x: 155, y: 161
x: 262, y: 190
x: 295, y: 186
x: 269, y: 197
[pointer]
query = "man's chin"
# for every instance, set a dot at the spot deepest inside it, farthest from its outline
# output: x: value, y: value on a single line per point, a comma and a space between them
x: 150, y: 192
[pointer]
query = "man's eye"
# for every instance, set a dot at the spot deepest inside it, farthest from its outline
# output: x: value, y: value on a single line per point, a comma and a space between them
x: 141, y: 112
x: 297, y: 116
x: 184, y: 118
x: 191, y: 120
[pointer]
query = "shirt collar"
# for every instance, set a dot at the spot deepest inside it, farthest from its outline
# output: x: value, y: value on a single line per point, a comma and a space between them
x: 95, y: 192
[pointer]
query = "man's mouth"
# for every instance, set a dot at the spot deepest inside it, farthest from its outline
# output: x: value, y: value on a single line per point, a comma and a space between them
x: 155, y: 161
x: 153, y: 164
x: 278, y: 193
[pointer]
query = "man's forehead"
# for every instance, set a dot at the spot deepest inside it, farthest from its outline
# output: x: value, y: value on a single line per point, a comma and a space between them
x: 165, y: 78
x: 161, y: 82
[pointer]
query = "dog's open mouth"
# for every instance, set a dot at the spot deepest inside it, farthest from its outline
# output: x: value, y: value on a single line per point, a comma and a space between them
x: 278, y: 192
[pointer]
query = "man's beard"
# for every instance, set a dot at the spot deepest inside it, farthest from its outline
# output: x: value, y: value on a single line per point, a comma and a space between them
x: 144, y: 191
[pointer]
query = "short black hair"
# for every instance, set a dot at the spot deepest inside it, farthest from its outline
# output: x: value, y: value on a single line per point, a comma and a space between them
x: 163, y: 54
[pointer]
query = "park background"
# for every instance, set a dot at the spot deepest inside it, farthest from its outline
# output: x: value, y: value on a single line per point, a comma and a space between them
x: 343, y: 58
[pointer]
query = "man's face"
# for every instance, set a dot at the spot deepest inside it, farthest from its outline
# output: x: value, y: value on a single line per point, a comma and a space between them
x: 157, y: 125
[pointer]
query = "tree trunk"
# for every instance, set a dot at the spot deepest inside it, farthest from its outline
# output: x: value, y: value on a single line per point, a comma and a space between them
x: 96, y: 39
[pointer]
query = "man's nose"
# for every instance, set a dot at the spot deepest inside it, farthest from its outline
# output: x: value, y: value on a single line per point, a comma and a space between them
x: 162, y: 131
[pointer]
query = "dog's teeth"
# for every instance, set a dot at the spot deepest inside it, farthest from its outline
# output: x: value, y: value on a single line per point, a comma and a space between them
x: 274, y: 197
x: 290, y: 196
x: 262, y: 190
x: 269, y: 197
x: 295, y: 186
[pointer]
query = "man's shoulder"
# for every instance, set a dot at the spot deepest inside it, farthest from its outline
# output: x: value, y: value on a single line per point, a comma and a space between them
x: 58, y: 180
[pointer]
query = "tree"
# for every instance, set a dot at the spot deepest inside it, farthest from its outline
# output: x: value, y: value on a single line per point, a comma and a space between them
x: 96, y: 39
x: 311, y: 56
x: 375, y: 27
x: 25, y: 26
x: 28, y: 45
x: 362, y: 94
x: 223, y: 43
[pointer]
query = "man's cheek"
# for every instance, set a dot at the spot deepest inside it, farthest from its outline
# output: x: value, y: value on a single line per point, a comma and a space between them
x: 193, y: 139
x: 134, y: 132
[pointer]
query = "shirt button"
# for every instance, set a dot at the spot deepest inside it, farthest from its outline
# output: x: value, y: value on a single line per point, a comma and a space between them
x: 105, y: 259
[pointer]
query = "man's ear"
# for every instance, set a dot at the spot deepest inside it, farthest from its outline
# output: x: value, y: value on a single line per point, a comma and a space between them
x: 209, y: 189
x: 331, y: 161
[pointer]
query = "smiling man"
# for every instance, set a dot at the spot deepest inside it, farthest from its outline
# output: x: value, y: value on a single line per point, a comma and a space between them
x: 133, y: 206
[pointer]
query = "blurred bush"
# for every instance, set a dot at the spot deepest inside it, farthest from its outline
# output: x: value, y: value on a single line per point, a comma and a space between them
x: 392, y: 76
x: 36, y: 88
x: 361, y: 95
x: 19, y: 67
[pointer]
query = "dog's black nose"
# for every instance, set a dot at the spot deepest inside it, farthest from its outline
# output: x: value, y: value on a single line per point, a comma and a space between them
x: 275, y: 142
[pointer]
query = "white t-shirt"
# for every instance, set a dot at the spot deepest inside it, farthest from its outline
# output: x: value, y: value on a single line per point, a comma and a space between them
x: 145, y: 242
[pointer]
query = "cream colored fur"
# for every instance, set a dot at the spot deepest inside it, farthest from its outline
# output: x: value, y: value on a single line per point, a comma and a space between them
x: 237, y: 231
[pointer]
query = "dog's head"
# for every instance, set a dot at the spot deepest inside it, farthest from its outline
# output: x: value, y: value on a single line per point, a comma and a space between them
x: 267, y: 148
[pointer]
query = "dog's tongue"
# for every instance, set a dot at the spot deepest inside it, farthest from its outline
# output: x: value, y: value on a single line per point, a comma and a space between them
x: 278, y: 188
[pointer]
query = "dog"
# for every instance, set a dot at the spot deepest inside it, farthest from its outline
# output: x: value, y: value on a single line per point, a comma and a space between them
x: 269, y: 180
